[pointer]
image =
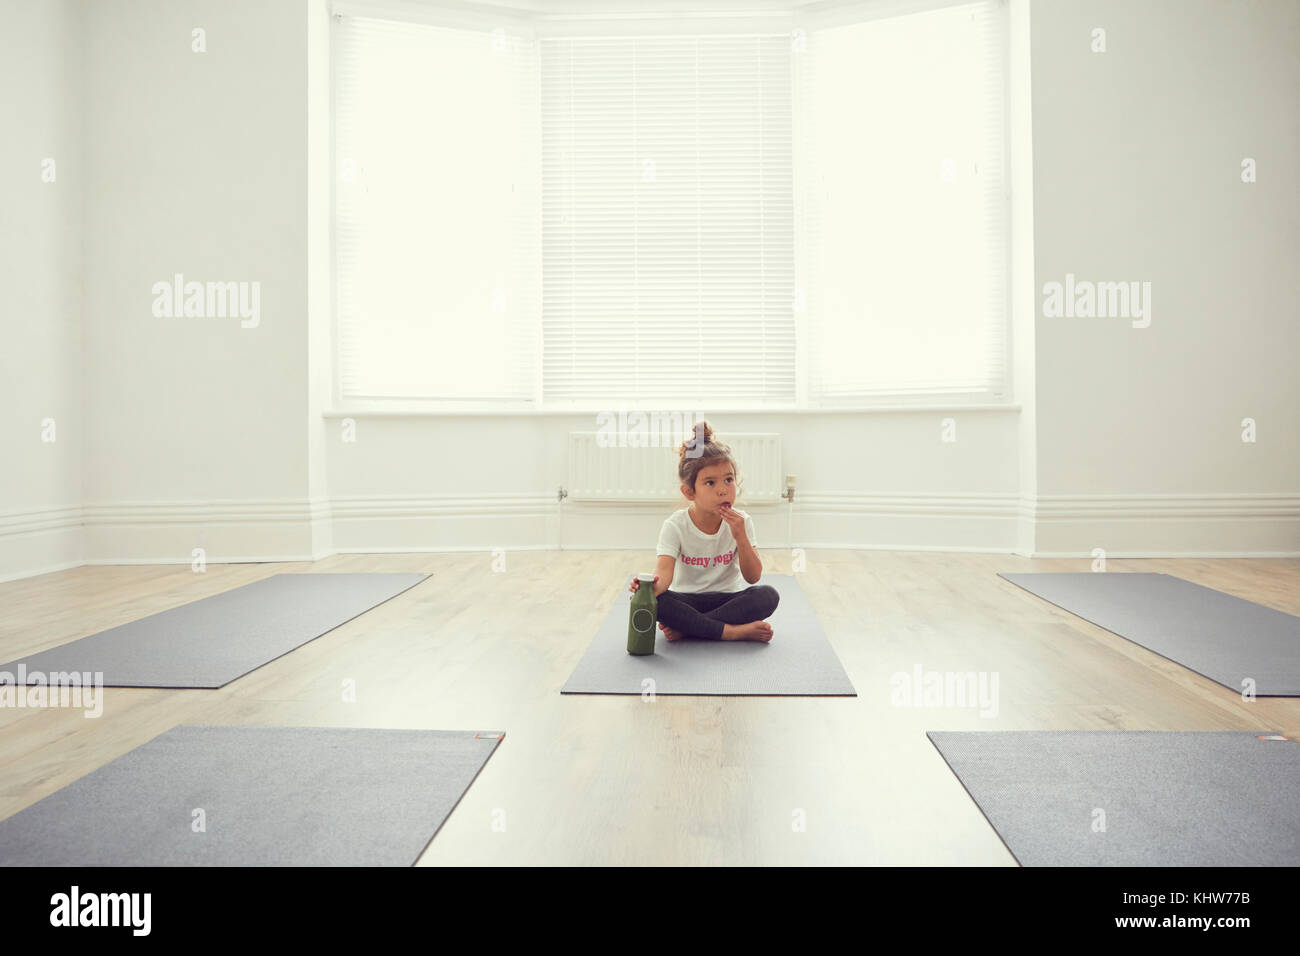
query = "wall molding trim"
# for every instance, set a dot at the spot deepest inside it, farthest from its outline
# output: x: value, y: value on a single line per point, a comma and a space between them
x: 398, y: 506
x: 228, y: 530
x: 1148, y: 506
x: 30, y: 520
x: 242, y: 511
x: 40, y: 540
x: 1249, y: 525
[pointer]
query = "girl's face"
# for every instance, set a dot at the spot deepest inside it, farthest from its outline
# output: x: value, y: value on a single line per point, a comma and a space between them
x: 715, y: 488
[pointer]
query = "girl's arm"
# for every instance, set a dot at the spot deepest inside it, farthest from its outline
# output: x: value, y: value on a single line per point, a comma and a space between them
x: 751, y: 565
x: 664, y: 569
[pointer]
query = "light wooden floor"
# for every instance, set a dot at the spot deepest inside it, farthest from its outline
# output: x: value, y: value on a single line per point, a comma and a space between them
x: 683, y: 780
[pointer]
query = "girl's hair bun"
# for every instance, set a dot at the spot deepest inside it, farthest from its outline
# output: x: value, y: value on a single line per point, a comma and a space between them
x: 702, y: 435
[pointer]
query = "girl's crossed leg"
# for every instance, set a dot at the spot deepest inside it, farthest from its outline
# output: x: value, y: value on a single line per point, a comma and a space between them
x: 719, y: 615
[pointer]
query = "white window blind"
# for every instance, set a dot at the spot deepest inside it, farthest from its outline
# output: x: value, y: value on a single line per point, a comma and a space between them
x: 437, y: 211
x: 668, y: 231
x: 903, y: 224
x: 684, y: 220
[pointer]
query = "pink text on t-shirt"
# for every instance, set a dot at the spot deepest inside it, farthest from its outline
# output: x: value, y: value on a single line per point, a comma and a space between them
x: 704, y: 561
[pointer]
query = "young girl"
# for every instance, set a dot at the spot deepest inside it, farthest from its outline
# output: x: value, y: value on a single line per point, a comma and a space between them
x: 707, y: 552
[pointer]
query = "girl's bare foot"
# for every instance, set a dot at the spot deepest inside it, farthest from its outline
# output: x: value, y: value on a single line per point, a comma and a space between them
x: 753, y: 631
x: 669, y: 633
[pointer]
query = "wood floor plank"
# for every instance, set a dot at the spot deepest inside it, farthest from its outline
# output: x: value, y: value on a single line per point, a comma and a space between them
x: 680, y: 780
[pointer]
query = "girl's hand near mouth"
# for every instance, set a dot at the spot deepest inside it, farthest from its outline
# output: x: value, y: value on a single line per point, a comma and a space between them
x: 735, y: 520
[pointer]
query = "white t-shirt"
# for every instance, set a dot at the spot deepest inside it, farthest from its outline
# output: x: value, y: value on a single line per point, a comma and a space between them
x: 705, y: 562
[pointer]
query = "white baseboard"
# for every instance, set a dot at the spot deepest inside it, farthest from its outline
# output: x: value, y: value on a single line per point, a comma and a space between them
x: 228, y: 532
x: 387, y: 524
x: 38, y: 541
x: 1250, y: 525
x: 169, y: 559
x: 975, y: 523
x: 1166, y: 525
x: 1087, y: 555
x: 927, y: 522
x: 467, y: 549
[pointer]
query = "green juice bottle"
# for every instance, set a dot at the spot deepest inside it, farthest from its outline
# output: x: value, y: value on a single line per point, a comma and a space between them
x: 641, y: 620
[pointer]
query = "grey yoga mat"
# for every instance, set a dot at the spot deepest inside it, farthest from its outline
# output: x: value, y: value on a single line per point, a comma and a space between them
x: 1225, y: 638
x: 1134, y: 798
x: 255, y: 796
x: 799, y: 661
x: 210, y: 642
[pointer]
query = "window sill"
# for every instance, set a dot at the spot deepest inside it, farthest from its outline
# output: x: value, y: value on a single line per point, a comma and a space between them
x: 505, y: 411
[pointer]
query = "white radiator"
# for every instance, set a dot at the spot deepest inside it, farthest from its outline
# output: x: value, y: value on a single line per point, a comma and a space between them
x: 616, y: 473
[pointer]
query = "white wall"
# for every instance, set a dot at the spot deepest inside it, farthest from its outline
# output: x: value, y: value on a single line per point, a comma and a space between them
x: 320, y: 198
x: 870, y: 480
x: 198, y: 433
x: 1022, y: 295
x: 197, y: 430
x: 1137, y: 163
x: 40, y: 275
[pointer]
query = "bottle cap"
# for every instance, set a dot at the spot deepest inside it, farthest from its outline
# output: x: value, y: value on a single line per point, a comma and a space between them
x: 646, y: 578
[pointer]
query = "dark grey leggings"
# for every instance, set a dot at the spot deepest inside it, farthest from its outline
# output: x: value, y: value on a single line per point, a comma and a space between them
x: 703, y: 613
